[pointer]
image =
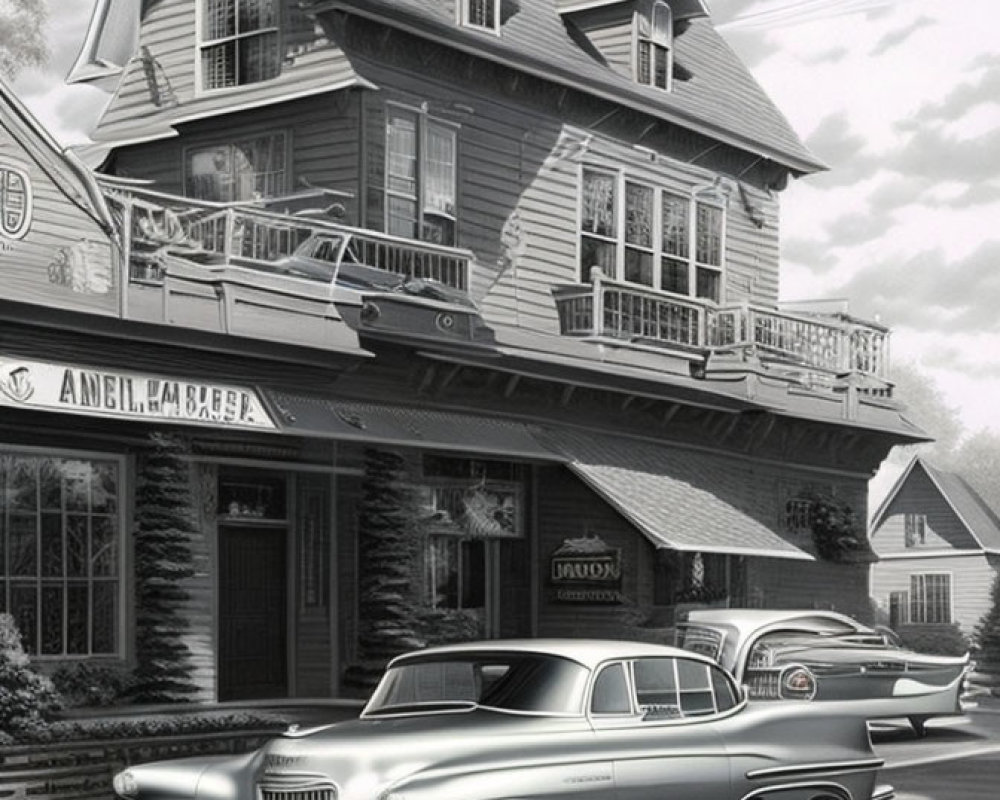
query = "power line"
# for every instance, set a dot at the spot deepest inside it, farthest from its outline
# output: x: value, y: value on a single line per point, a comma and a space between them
x: 799, y: 12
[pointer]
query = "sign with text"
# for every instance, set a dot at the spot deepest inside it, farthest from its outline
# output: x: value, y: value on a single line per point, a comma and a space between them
x: 69, y: 389
x: 585, y: 570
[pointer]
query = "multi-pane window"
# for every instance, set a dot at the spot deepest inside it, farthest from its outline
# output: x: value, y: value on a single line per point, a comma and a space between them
x: 654, y: 34
x: 239, y: 42
x: 914, y: 529
x: 682, y: 254
x: 899, y: 609
x: 421, y: 177
x: 247, y: 169
x: 455, y: 572
x: 60, y: 552
x: 481, y: 14
x: 930, y: 598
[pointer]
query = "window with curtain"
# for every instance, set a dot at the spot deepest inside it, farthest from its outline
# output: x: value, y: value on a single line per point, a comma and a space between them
x: 239, y: 42
x: 914, y: 529
x: 653, y: 45
x: 60, y: 552
x: 421, y: 177
x: 245, y: 169
x: 930, y: 598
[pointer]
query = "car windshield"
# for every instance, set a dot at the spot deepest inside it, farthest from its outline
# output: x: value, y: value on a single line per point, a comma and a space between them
x: 519, y: 682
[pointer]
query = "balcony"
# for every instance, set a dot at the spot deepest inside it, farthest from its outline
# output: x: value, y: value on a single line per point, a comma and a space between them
x: 814, y: 348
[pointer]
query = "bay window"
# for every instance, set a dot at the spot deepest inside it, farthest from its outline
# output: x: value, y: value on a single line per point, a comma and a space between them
x: 60, y: 552
x: 683, y: 254
x: 421, y: 177
x: 239, y: 42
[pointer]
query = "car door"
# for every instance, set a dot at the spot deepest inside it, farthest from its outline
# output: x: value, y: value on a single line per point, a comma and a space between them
x: 655, y: 717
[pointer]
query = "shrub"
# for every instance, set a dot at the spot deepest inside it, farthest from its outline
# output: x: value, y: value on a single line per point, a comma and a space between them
x: 941, y: 640
x: 27, y: 698
x: 88, y: 684
x: 988, y: 634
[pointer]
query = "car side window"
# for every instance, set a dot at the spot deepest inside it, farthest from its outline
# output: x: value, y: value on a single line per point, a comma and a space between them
x: 669, y: 688
x: 611, y: 694
x: 656, y: 688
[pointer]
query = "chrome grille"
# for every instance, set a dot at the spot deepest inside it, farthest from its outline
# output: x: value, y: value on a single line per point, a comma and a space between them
x: 764, y: 684
x: 270, y: 791
x: 705, y: 641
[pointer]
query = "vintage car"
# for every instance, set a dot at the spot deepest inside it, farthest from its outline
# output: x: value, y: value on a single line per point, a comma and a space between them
x: 548, y: 718
x: 823, y: 655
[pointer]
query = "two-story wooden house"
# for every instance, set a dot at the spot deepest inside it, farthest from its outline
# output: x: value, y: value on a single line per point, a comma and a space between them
x: 530, y: 246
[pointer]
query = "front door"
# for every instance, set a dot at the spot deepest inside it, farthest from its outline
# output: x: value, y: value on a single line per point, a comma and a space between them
x: 253, y: 653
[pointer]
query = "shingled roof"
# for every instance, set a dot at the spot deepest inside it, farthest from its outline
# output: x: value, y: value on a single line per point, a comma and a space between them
x: 979, y: 518
x: 721, y: 99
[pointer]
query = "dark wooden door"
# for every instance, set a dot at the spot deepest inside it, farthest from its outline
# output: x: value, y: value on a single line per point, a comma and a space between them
x: 253, y: 653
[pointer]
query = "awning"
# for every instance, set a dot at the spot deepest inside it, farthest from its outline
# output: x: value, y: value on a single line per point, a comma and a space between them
x: 404, y: 426
x: 664, y: 492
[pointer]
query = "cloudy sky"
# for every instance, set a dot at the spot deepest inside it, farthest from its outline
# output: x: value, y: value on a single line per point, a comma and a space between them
x: 901, y: 98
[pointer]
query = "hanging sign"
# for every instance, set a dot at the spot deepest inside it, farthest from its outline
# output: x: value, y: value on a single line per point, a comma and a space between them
x: 69, y: 389
x: 585, y: 570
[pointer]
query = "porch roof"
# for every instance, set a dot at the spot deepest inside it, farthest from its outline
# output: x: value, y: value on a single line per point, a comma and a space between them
x: 662, y: 491
x: 386, y: 424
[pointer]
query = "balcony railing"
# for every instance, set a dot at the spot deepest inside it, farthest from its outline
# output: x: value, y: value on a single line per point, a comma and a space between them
x: 245, y: 235
x: 833, y: 344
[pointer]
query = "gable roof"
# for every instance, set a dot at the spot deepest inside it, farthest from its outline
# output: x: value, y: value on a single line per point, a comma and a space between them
x: 721, y: 99
x: 979, y: 519
x: 68, y: 173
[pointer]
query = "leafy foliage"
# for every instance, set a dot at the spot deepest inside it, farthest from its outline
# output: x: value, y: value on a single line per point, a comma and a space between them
x: 22, y: 39
x: 834, y: 524
x: 387, y: 544
x: 27, y: 698
x: 940, y: 640
x: 987, y: 634
x: 163, y: 561
x: 89, y: 684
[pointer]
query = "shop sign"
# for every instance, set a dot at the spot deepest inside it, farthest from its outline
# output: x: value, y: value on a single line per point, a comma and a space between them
x: 63, y: 388
x: 586, y: 570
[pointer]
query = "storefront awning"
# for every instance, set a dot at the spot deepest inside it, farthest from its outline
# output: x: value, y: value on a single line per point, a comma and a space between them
x: 397, y: 425
x: 663, y: 492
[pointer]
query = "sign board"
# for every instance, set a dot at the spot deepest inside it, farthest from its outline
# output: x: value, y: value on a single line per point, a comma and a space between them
x: 585, y: 570
x: 69, y: 389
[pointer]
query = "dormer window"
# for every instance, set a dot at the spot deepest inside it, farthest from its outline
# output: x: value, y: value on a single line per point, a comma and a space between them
x: 483, y: 14
x: 239, y: 42
x: 654, y: 45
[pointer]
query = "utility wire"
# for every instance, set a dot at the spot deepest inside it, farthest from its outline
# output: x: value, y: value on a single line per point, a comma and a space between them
x: 799, y: 12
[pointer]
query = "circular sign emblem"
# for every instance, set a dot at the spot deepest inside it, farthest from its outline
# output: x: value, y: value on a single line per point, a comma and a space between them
x: 15, y: 201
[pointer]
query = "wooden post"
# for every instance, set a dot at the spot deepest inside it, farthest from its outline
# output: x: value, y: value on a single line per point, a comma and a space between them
x: 597, y: 313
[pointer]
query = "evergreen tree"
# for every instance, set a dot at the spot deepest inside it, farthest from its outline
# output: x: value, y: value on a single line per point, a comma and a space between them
x: 987, y: 635
x: 387, y: 542
x: 163, y: 562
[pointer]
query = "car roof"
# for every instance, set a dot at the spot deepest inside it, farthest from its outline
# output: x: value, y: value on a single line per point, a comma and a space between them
x: 748, y: 620
x: 588, y: 652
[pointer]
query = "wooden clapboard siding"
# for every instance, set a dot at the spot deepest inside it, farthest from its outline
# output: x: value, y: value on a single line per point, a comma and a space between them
x: 610, y: 31
x: 775, y: 583
x: 65, y: 258
x: 971, y: 579
x: 167, y: 56
x: 944, y: 530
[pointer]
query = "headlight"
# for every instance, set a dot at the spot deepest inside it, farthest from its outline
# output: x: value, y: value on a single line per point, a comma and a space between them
x: 797, y: 683
x: 125, y: 785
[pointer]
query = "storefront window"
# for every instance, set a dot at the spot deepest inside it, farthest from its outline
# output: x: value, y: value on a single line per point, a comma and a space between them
x: 60, y: 562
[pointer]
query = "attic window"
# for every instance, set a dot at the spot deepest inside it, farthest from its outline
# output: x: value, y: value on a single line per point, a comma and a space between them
x: 483, y: 14
x: 239, y: 42
x: 654, y: 45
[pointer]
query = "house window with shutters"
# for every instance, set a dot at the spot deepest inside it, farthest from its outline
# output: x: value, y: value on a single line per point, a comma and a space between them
x: 930, y: 598
x: 915, y: 529
x: 654, y: 45
x: 60, y: 551
x: 641, y: 235
x: 421, y: 177
x: 247, y: 169
x: 239, y: 42
x: 483, y: 14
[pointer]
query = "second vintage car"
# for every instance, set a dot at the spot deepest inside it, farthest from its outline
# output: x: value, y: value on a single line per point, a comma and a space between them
x: 823, y: 655
x: 538, y: 719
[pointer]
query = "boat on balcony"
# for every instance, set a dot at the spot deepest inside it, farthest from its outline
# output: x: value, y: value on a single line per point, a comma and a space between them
x: 231, y: 267
x: 820, y: 349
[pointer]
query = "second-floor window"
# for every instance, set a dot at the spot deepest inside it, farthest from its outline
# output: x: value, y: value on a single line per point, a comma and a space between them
x: 245, y: 169
x: 421, y: 177
x: 239, y: 42
x: 914, y: 529
x: 654, y: 37
x: 481, y: 14
x: 638, y: 234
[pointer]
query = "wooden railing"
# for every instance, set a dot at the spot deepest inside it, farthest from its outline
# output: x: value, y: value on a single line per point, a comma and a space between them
x: 833, y: 344
x: 246, y: 235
